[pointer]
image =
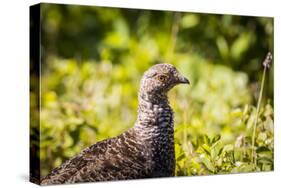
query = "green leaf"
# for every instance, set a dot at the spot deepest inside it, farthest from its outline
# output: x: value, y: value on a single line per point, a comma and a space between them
x: 222, y: 46
x: 240, y: 45
x: 189, y: 21
x: 207, y: 162
x: 265, y: 160
x: 228, y: 148
x: 216, y: 149
x: 238, y: 154
x: 206, y: 139
x: 182, y: 156
x: 206, y: 148
x: 216, y: 138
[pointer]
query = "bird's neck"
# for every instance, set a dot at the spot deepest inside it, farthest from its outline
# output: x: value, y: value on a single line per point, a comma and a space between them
x: 155, y: 131
x: 155, y: 115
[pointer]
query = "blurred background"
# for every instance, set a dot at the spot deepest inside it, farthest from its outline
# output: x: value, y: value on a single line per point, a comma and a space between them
x: 92, y: 62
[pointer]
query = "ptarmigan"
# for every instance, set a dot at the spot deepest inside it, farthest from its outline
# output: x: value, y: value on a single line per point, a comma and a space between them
x: 144, y: 151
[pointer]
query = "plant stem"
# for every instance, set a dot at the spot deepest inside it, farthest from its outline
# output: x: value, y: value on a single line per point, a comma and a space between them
x: 174, y: 33
x: 257, y: 116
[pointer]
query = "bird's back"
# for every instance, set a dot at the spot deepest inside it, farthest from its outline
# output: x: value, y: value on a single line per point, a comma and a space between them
x: 117, y: 158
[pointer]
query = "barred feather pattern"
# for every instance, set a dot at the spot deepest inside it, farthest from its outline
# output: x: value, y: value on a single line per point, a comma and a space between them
x: 144, y: 151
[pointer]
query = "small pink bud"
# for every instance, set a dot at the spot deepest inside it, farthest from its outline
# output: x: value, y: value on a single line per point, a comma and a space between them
x: 267, y: 61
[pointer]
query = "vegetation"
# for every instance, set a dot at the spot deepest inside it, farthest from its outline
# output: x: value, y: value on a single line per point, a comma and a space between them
x: 93, y: 59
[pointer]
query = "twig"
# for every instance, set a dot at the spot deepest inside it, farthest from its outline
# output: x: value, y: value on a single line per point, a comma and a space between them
x: 266, y: 65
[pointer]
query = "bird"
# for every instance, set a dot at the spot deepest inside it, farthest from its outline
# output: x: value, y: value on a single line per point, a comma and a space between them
x: 144, y: 151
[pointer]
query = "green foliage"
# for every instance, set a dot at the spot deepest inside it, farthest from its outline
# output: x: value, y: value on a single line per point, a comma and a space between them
x: 204, y: 155
x: 87, y: 32
x: 93, y: 59
x: 82, y: 104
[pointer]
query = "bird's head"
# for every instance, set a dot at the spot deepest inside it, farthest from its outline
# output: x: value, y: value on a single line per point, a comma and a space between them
x: 160, y: 78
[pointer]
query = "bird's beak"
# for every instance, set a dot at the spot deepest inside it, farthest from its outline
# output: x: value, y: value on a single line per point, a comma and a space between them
x: 182, y: 80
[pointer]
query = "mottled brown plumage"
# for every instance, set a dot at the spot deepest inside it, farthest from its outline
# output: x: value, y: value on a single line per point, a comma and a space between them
x: 144, y: 151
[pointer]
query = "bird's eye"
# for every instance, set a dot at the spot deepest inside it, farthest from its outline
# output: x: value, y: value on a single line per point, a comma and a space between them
x: 162, y: 78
